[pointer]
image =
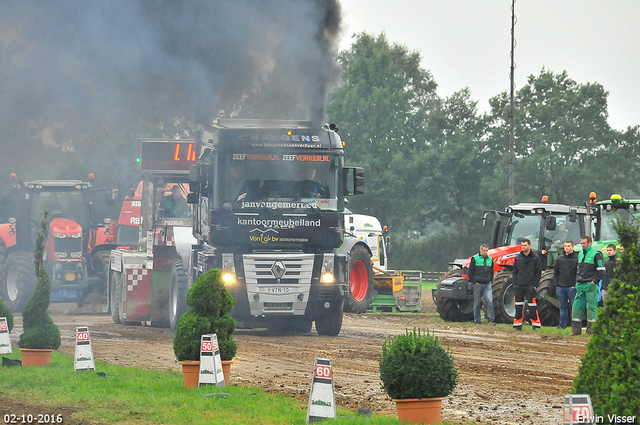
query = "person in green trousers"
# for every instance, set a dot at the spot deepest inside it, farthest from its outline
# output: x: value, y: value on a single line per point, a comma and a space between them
x: 590, y: 273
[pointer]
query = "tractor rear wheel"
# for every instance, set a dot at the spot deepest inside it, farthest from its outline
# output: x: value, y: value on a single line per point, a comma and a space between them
x: 115, y: 298
x: 548, y: 312
x: 361, y: 280
x: 451, y: 309
x: 178, y: 291
x: 20, y: 280
x: 504, y: 306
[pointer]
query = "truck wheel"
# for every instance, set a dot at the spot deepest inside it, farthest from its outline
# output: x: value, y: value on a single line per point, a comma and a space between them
x: 450, y: 309
x: 117, y: 280
x: 503, y: 297
x: 361, y: 280
x: 178, y: 288
x: 20, y: 280
x: 114, y: 299
x: 331, y: 322
x: 3, y: 287
x: 548, y: 312
x: 103, y: 259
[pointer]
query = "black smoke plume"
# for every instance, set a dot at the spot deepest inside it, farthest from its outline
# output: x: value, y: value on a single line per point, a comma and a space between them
x: 79, y: 81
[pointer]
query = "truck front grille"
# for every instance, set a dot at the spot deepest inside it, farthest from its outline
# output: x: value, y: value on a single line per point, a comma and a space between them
x: 298, y: 268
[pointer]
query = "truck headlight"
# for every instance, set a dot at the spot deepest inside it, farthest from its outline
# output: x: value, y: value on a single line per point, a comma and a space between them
x: 228, y: 269
x: 327, y: 268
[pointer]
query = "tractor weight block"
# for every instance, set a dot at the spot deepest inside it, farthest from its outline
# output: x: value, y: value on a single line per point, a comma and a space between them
x: 455, y: 287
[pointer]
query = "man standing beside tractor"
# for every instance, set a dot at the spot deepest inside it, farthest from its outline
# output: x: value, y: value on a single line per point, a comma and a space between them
x: 481, y: 276
x: 527, y: 269
x: 590, y: 273
x: 564, y: 273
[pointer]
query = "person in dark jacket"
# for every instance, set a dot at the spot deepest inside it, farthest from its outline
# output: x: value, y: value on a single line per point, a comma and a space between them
x: 527, y: 269
x: 590, y: 273
x: 564, y: 274
x: 609, y: 267
x: 480, y: 277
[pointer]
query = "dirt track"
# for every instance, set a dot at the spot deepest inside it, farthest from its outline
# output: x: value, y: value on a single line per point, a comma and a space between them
x: 506, y: 377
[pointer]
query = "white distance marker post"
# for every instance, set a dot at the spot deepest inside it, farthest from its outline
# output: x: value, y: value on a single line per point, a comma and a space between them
x: 578, y: 409
x: 210, y: 364
x: 217, y: 361
x: 83, y: 359
x: 322, y: 398
x: 5, y: 341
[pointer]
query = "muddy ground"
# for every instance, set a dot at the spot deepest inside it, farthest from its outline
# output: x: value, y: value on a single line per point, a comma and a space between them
x: 506, y: 377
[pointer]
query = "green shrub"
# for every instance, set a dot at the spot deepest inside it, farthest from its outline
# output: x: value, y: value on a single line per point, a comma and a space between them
x: 5, y: 311
x: 39, y: 331
x: 415, y: 365
x: 610, y: 370
x: 210, y: 304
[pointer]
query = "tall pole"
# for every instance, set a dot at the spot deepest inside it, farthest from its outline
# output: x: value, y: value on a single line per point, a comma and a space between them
x: 512, y: 193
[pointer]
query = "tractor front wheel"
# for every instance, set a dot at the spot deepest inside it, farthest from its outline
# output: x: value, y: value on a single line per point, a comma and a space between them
x: 115, y: 298
x: 178, y: 291
x: 504, y: 306
x: 20, y: 280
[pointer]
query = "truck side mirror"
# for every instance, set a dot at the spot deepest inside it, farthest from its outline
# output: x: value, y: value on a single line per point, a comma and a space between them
x: 551, y: 223
x: 197, y: 174
x: 573, y: 215
x: 484, y: 220
x: 358, y: 181
x: 193, y: 198
x: 113, y: 195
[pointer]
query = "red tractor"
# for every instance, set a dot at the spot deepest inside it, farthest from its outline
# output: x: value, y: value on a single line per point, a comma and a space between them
x: 547, y: 226
x: 77, y: 247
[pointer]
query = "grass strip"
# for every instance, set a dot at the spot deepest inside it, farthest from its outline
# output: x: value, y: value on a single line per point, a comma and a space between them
x: 142, y: 396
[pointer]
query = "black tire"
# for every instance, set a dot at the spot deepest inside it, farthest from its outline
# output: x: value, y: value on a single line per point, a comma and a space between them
x: 20, y: 280
x: 103, y: 259
x: 3, y: 288
x: 504, y: 306
x: 330, y: 323
x: 548, y: 312
x: 118, y: 281
x: 178, y: 294
x: 361, y: 280
x: 449, y: 309
x: 114, y: 300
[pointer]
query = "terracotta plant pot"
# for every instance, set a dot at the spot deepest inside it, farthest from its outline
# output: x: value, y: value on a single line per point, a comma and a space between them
x: 190, y: 372
x: 226, y: 370
x: 36, y: 357
x: 417, y: 411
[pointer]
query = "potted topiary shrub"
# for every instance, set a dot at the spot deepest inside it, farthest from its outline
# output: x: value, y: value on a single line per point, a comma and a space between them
x: 40, y: 335
x: 417, y: 373
x: 209, y: 310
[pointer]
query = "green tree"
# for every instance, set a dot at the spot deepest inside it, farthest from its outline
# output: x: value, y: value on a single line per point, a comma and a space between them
x: 610, y: 370
x: 454, y: 167
x: 383, y: 111
x: 561, y: 134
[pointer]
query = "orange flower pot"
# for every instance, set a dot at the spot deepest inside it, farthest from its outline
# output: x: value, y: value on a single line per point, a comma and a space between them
x: 36, y: 357
x: 420, y: 411
x: 226, y: 370
x: 190, y: 372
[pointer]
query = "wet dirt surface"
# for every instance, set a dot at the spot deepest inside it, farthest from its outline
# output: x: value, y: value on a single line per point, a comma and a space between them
x: 506, y: 377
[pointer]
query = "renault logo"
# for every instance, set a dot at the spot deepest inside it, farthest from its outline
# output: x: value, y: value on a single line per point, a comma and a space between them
x: 278, y: 269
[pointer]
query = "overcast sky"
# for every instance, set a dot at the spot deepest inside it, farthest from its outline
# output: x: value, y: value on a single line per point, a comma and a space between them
x: 467, y: 43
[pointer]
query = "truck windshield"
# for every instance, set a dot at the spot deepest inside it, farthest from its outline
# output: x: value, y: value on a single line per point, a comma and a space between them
x: 60, y: 204
x: 278, y: 181
x: 607, y: 218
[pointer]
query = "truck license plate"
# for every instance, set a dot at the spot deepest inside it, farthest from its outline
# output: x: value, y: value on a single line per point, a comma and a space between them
x: 278, y: 289
x: 278, y: 306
